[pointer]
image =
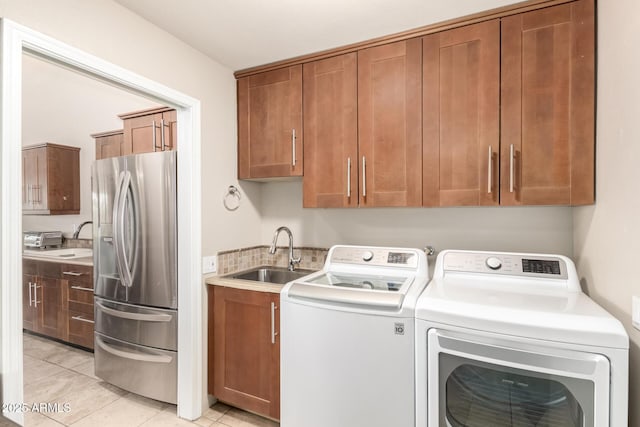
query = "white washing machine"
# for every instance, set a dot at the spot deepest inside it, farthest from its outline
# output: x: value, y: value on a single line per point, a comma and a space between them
x: 509, y: 339
x: 347, y: 340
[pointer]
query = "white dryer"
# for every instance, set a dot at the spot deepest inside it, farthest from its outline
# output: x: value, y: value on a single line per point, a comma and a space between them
x: 509, y: 339
x: 347, y: 340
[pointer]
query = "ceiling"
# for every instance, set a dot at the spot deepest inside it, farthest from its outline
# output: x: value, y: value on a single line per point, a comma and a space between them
x: 246, y: 33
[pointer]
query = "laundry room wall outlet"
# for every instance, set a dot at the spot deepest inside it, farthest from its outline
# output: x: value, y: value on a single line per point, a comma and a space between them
x: 635, y: 311
x: 209, y: 264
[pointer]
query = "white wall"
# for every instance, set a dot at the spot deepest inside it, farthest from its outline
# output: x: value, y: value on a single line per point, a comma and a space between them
x: 607, y: 235
x: 65, y: 107
x: 533, y: 229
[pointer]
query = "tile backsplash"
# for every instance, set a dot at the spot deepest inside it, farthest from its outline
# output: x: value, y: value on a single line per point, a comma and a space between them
x: 77, y: 243
x: 245, y: 258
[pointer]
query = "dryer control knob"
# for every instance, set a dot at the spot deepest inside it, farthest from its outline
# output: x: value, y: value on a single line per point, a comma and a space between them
x: 493, y: 263
x: 367, y: 256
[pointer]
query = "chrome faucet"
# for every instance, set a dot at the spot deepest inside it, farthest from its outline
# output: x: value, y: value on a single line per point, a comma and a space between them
x: 77, y: 232
x: 272, y: 250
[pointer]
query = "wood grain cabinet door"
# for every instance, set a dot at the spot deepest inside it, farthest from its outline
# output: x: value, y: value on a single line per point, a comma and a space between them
x: 48, y: 296
x: 247, y: 350
x: 109, y: 144
x: 142, y: 134
x: 29, y: 310
x: 330, y: 93
x: 461, y: 143
x: 547, y: 117
x: 34, y: 178
x: 270, y: 124
x: 390, y: 124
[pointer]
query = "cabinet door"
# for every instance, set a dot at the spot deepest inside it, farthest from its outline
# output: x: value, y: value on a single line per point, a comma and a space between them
x: 143, y: 134
x: 461, y: 78
x: 29, y: 310
x: 390, y: 124
x: 270, y: 124
x: 48, y: 298
x: 547, y: 152
x: 170, y: 129
x: 78, y: 282
x: 109, y: 146
x: 63, y: 180
x: 247, y: 350
x: 330, y: 92
x: 34, y: 179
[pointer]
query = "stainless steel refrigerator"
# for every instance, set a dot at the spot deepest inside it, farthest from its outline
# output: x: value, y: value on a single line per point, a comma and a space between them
x: 135, y: 273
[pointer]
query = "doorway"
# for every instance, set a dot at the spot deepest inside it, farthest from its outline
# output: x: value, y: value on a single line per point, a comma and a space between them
x: 16, y: 41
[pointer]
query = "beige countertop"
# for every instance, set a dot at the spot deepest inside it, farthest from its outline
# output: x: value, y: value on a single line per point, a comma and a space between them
x: 88, y: 260
x: 249, y: 285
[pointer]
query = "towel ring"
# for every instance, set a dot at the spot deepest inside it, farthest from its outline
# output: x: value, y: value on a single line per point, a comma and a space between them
x: 233, y: 193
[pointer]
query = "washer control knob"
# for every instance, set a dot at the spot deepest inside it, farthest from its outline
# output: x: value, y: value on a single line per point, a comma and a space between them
x: 367, y: 256
x: 493, y: 263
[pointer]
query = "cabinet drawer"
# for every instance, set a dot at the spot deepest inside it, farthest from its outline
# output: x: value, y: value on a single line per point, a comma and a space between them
x: 81, y: 293
x: 80, y: 328
x: 78, y: 274
x: 81, y: 307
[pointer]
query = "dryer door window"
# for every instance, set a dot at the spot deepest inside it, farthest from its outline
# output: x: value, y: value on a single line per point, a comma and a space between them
x: 483, y: 395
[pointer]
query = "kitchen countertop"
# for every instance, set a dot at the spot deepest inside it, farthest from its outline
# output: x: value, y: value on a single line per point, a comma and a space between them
x: 87, y: 260
x: 249, y: 285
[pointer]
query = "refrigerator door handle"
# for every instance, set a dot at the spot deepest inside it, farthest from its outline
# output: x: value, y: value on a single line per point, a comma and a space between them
x: 132, y: 356
x: 134, y: 316
x: 123, y: 265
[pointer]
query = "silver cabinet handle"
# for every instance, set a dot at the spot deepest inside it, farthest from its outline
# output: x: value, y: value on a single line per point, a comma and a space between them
x: 133, y: 356
x: 511, y: 153
x: 82, y: 319
x: 273, y: 323
x: 135, y: 316
x: 153, y: 134
x: 30, y: 295
x: 348, y: 176
x: 162, y: 133
x: 293, y: 146
x: 364, y: 177
x: 28, y: 195
x: 489, y: 170
x: 72, y: 273
x: 35, y: 295
x: 80, y: 288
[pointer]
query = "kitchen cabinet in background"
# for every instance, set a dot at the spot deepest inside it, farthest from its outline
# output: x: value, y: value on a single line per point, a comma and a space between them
x: 270, y: 139
x: 77, y: 283
x: 57, y: 301
x: 461, y: 107
x: 43, y: 306
x: 50, y: 180
x: 149, y: 130
x: 109, y: 144
x: 547, y: 117
x: 244, y: 349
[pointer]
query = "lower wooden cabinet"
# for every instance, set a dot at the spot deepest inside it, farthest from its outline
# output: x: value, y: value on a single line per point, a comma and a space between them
x: 244, y: 349
x: 57, y: 301
x: 79, y: 313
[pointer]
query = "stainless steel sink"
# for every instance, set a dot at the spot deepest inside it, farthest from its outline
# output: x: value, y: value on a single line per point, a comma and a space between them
x: 271, y: 274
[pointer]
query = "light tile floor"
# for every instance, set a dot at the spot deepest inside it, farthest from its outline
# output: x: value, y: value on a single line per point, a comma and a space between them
x: 56, y: 373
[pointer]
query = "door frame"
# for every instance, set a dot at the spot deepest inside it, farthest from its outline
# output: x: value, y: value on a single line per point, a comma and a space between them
x: 17, y: 40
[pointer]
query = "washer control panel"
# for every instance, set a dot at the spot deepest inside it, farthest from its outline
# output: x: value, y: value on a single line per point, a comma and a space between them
x: 508, y: 264
x: 404, y: 258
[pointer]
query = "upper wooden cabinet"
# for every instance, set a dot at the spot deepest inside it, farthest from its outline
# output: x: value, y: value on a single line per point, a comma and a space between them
x: 270, y: 124
x: 547, y: 117
x: 109, y: 144
x: 461, y: 98
x: 330, y: 90
x: 149, y: 130
x: 50, y: 180
x: 390, y: 124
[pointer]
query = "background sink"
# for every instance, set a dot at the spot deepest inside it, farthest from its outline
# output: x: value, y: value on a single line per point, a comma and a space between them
x: 277, y: 275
